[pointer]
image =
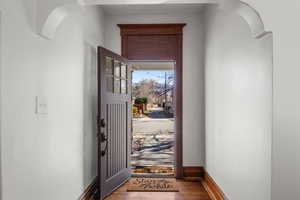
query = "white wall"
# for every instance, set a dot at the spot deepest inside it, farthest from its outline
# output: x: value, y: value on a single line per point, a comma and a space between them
x: 281, y: 17
x: 193, y: 76
x: 0, y: 101
x: 49, y: 156
x: 238, y: 72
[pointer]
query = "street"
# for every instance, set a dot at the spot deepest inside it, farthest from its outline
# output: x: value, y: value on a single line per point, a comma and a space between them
x: 153, y: 140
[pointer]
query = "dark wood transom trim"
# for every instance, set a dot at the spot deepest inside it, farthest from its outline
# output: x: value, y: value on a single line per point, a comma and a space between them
x: 151, y: 29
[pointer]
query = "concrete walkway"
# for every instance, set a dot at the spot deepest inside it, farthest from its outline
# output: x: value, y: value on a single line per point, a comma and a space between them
x: 153, y: 140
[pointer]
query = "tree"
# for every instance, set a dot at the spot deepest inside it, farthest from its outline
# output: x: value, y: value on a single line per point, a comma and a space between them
x: 141, y: 100
x: 152, y: 89
x: 145, y: 88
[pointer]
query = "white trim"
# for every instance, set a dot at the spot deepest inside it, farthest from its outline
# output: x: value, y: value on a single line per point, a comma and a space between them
x: 248, y: 13
x: 253, y: 19
x: 143, y: 2
x: 57, y: 11
x: 56, y: 16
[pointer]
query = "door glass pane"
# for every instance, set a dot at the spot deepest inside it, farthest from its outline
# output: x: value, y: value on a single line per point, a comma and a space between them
x: 117, y: 85
x: 110, y: 83
x: 123, y: 86
x: 109, y: 65
x: 117, y: 68
x: 123, y: 71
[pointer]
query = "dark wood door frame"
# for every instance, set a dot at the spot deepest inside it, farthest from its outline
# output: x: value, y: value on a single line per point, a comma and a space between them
x: 159, y: 42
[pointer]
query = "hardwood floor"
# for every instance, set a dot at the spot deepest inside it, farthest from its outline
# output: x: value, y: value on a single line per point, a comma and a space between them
x: 187, y: 191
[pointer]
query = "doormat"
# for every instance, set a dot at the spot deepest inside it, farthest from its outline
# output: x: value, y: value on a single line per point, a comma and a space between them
x: 152, y: 185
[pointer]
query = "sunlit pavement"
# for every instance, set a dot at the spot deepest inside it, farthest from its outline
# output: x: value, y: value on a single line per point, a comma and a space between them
x: 153, y: 140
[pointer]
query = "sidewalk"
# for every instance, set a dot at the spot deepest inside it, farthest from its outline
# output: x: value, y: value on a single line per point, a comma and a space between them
x: 153, y: 140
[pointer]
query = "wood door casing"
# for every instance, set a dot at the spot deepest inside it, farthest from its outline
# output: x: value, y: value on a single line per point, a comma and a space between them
x: 159, y: 42
x: 114, y: 121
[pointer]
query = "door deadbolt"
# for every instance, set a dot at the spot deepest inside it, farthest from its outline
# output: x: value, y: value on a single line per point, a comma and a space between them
x: 102, y: 123
x: 103, y: 137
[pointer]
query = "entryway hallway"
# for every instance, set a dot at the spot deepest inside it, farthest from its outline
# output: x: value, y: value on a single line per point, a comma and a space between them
x: 239, y: 114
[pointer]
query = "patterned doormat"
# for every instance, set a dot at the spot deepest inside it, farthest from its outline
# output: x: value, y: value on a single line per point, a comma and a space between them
x: 152, y: 185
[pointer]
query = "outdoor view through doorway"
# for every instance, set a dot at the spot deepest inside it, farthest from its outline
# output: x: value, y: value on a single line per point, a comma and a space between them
x: 153, y: 134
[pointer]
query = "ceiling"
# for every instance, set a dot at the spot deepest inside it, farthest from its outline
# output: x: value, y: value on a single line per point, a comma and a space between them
x: 153, y: 9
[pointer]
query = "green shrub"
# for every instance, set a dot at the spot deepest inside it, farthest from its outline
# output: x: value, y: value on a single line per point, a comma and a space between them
x: 141, y: 100
x: 134, y: 109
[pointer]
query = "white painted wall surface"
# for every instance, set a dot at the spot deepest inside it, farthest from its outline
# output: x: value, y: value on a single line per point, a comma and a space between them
x: 0, y: 102
x: 282, y: 18
x: 238, y: 70
x: 49, y: 156
x: 193, y: 74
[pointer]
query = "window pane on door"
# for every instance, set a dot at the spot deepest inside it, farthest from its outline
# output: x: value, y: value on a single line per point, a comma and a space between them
x: 123, y: 71
x: 110, y: 84
x: 123, y: 86
x: 117, y: 86
x: 109, y: 65
x: 117, y: 68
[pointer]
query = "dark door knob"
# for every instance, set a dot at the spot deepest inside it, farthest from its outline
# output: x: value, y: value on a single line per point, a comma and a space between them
x: 102, y: 123
x: 103, y: 137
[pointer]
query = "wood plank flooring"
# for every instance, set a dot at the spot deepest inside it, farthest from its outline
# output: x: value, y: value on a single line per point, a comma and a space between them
x: 188, y: 191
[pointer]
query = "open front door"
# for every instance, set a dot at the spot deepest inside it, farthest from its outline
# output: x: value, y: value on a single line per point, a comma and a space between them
x: 114, y: 120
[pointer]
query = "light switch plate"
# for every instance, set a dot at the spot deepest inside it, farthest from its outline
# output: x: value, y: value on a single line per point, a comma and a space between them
x: 41, y: 105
